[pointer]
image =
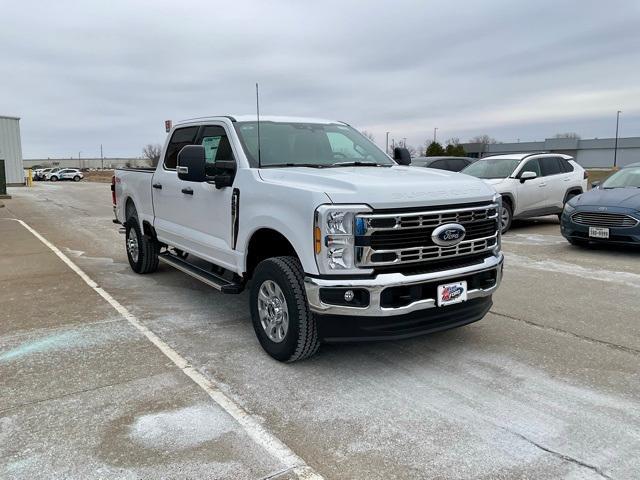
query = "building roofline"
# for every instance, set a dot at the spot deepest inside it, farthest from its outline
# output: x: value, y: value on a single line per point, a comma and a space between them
x: 9, y: 117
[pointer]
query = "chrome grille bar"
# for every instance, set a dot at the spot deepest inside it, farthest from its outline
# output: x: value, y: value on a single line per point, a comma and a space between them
x: 602, y: 219
x: 370, y: 223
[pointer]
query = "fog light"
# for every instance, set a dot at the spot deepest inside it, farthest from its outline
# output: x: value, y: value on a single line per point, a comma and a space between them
x: 348, y: 295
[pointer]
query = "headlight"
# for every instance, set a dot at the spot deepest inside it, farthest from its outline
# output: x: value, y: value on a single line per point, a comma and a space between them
x: 334, y: 230
x: 568, y: 208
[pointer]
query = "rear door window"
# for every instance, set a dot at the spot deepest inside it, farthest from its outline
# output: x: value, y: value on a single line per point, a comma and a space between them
x: 181, y: 137
x: 439, y: 164
x: 550, y: 166
x: 566, y: 166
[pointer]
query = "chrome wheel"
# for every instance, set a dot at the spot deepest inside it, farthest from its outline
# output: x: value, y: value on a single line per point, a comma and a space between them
x: 504, y: 218
x: 273, y: 311
x: 132, y: 245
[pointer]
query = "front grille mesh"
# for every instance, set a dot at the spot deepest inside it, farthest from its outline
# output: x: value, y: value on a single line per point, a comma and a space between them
x: 602, y: 219
x: 405, y: 238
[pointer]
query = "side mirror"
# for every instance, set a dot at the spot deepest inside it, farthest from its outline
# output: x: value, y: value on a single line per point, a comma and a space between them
x: 191, y: 163
x: 527, y: 176
x: 595, y: 184
x: 402, y: 156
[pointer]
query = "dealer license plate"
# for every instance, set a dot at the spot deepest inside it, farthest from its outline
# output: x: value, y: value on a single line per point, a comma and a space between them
x: 450, y: 293
x: 598, y: 232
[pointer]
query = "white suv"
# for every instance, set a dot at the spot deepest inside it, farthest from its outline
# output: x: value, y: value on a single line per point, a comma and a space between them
x: 67, y: 174
x: 531, y: 185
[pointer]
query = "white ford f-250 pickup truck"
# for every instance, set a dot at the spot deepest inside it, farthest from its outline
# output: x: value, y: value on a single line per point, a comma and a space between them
x: 337, y: 241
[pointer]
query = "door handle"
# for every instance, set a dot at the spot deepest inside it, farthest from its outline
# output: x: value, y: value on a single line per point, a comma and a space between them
x: 157, y: 185
x: 188, y: 191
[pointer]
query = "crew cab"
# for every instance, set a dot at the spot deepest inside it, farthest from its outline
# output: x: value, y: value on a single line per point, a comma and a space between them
x: 335, y: 240
x: 531, y: 184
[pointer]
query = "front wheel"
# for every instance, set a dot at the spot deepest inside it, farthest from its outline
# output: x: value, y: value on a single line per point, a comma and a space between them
x: 53, y: 179
x: 506, y: 217
x: 284, y: 325
x: 76, y: 178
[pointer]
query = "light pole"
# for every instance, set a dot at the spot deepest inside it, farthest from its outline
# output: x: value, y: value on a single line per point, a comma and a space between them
x: 434, y: 134
x: 79, y: 165
x: 615, y: 148
x: 101, y: 159
x: 387, y: 146
x: 404, y: 142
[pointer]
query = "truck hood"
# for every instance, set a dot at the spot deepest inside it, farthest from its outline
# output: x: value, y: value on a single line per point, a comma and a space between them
x: 384, y: 187
x: 493, y: 181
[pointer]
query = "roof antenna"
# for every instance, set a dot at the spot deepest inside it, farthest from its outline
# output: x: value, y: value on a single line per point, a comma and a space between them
x: 258, y: 115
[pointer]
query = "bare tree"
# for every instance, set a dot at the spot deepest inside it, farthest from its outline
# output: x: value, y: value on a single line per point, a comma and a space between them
x: 484, y: 139
x: 151, y: 152
x: 369, y: 135
x: 567, y: 135
x: 455, y: 141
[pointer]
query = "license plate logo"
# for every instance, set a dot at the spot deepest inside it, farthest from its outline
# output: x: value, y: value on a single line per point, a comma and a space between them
x: 452, y: 293
x: 598, y: 232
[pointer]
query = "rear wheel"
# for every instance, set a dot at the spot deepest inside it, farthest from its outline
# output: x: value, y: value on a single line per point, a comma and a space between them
x: 142, y: 251
x: 76, y: 178
x: 284, y: 325
x: 53, y: 179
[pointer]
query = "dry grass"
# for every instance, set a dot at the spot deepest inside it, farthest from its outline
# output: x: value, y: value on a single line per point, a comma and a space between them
x: 101, y: 176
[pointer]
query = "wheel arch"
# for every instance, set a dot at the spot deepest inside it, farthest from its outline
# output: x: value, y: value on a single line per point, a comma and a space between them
x: 266, y: 243
x: 573, y: 191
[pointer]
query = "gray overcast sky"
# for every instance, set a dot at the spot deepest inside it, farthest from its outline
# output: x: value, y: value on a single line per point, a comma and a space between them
x: 83, y: 73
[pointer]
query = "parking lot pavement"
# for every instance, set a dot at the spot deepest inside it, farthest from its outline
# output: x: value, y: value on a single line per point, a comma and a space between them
x: 546, y: 386
x: 85, y: 395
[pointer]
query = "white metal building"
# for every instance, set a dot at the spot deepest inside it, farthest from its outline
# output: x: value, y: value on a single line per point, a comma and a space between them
x: 11, y: 150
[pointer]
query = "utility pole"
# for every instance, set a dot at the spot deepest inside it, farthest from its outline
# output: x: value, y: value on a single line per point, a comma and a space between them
x: 404, y: 142
x: 434, y: 134
x: 79, y: 165
x: 101, y: 159
x: 615, y: 148
x: 387, y: 145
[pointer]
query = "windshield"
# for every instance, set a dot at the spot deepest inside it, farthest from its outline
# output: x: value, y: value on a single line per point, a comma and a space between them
x: 625, y: 178
x: 308, y: 144
x: 492, y: 167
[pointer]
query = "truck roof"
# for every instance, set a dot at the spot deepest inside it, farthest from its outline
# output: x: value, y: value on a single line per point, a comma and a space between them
x: 263, y: 118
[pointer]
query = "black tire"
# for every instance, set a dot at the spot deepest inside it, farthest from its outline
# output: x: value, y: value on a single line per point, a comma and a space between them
x: 147, y: 251
x: 506, y: 214
x: 76, y: 178
x: 301, y: 339
x: 53, y: 179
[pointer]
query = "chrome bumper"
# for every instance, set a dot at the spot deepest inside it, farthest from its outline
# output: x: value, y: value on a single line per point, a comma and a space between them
x: 376, y: 285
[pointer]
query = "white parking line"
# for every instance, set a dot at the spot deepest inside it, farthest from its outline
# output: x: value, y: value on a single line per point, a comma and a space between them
x: 251, y: 426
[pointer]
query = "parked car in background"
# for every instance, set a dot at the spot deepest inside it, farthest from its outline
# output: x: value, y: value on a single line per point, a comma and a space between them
x: 452, y: 164
x: 67, y: 174
x: 532, y: 184
x: 609, y: 212
x: 51, y: 171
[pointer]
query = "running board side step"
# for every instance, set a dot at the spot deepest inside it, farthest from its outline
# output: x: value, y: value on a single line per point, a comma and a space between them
x: 211, y: 279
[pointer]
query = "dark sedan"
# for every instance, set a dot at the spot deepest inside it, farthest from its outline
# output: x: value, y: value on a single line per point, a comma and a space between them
x: 452, y: 164
x: 609, y: 213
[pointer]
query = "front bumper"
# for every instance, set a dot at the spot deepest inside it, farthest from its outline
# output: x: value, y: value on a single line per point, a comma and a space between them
x: 617, y: 235
x: 377, y: 286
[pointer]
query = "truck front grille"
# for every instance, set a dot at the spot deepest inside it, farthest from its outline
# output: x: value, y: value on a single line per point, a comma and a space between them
x: 386, y: 239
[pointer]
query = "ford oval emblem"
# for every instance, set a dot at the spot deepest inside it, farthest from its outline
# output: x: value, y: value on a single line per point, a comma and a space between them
x: 448, y: 235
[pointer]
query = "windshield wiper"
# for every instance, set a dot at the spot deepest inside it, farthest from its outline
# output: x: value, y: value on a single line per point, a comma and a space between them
x: 310, y: 165
x: 358, y: 163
